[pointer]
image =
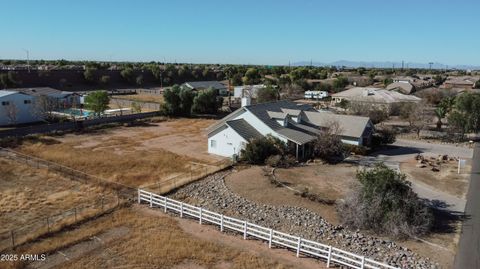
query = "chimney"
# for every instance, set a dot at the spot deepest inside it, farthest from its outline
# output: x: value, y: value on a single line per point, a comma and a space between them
x: 246, y: 101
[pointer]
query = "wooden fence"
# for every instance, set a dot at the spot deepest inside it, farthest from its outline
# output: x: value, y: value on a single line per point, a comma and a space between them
x: 332, y: 255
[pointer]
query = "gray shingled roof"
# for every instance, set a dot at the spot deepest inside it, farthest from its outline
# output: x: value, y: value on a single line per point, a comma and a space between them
x: 244, y: 129
x: 205, y: 85
x: 352, y: 126
x: 38, y: 91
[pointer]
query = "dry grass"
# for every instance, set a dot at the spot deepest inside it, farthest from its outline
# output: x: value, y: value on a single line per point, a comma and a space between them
x: 142, y: 98
x: 134, y: 156
x: 151, y: 241
x: 29, y: 194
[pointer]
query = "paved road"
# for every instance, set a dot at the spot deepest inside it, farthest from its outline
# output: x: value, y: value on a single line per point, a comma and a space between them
x: 468, y: 255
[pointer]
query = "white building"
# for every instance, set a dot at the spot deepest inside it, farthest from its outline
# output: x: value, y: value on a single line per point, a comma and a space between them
x: 315, y: 94
x: 16, y: 108
x: 247, y: 90
x: 298, y: 125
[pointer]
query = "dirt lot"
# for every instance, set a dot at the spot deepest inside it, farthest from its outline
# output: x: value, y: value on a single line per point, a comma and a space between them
x: 142, y: 98
x: 142, y: 238
x: 29, y: 194
x: 134, y: 156
x: 446, y: 180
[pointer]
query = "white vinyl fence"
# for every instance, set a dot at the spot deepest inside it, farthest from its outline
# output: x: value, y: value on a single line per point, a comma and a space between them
x: 331, y: 254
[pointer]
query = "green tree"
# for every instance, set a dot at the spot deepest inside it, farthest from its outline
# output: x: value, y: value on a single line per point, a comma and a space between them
x: 97, y: 102
x: 440, y: 113
x: 259, y: 150
x: 178, y: 101
x: 89, y: 74
x: 139, y: 80
x: 252, y: 76
x: 207, y: 102
x: 468, y: 104
x: 104, y: 80
x: 128, y: 74
x: 387, y: 81
x: 477, y: 84
x: 267, y: 94
x: 385, y: 203
x: 340, y: 83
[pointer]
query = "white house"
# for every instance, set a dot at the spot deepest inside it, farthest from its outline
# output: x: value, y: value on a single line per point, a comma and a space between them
x: 247, y: 90
x: 16, y: 108
x: 18, y: 104
x: 203, y: 85
x: 298, y: 125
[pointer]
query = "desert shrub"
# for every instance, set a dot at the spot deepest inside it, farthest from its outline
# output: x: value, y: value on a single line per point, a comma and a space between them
x: 384, y: 202
x: 259, y: 150
x: 384, y: 136
x: 329, y: 147
x: 357, y: 150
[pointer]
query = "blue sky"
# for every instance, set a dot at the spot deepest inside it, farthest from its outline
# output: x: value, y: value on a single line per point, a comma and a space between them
x: 249, y: 32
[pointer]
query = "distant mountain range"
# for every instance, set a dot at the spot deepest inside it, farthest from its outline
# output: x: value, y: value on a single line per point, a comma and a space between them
x: 387, y: 64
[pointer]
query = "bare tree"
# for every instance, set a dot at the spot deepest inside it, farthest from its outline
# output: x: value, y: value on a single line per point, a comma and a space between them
x: 11, y: 110
x: 417, y: 116
x: 43, y: 106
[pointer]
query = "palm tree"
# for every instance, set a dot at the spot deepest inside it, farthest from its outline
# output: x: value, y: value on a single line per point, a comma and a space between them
x: 440, y: 112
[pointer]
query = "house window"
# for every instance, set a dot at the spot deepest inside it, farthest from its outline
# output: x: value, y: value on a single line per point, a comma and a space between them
x: 5, y: 103
x: 213, y: 143
x: 27, y: 101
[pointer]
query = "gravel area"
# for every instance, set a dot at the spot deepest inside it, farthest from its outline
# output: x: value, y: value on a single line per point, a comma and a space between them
x: 211, y: 193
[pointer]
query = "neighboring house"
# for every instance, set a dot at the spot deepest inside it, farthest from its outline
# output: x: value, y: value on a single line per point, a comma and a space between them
x: 16, y: 108
x: 466, y: 83
x: 247, y: 91
x: 203, y: 85
x: 373, y: 96
x: 298, y: 125
x: 18, y: 104
x: 403, y: 87
x: 64, y: 99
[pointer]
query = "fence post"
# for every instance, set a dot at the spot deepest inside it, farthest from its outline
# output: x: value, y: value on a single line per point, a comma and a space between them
x: 363, y: 263
x: 200, y: 219
x: 298, y: 246
x: 165, y: 204
x: 329, y: 256
x: 139, y: 199
x: 245, y: 230
x: 151, y: 199
x: 270, y: 239
x: 181, y: 210
x: 221, y: 223
x: 13, y: 238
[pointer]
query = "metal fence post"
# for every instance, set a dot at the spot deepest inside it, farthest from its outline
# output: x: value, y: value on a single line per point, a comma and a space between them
x: 181, y: 210
x: 298, y: 246
x: 151, y: 199
x: 270, y: 239
x: 200, y: 219
x: 13, y: 238
x: 329, y: 256
x: 165, y: 204
x: 245, y: 230
x: 221, y: 223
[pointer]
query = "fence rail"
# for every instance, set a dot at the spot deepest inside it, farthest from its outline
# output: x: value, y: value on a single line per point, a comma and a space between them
x: 301, y: 246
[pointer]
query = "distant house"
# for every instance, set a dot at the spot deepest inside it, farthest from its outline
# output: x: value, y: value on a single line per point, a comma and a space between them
x: 403, y: 87
x: 373, y: 96
x: 460, y: 82
x: 16, y: 108
x: 203, y: 85
x: 298, y: 125
x: 247, y: 90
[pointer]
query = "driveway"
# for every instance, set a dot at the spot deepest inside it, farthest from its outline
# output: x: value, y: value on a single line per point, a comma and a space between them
x: 403, y: 150
x: 468, y: 255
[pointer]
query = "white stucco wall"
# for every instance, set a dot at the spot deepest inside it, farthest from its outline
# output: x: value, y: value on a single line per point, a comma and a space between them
x: 227, y: 142
x: 24, y: 112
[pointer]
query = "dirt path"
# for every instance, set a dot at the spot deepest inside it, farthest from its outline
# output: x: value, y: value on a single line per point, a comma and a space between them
x: 209, y: 233
x: 76, y: 251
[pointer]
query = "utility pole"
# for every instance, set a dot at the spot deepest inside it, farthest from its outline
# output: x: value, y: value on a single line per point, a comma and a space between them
x: 28, y: 59
x: 403, y: 63
x: 430, y: 63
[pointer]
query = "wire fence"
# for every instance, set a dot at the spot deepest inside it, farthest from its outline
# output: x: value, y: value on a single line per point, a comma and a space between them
x: 46, y: 224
